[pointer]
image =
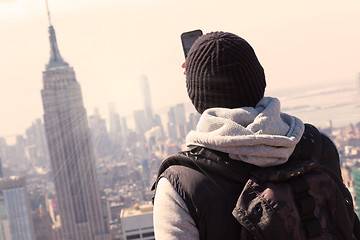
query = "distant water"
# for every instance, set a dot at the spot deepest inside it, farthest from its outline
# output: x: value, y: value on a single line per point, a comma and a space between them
x: 338, y: 104
x: 318, y: 105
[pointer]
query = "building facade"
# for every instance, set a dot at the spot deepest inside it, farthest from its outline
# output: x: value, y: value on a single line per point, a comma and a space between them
x: 71, y: 151
x: 137, y: 222
x: 18, y: 208
x: 146, y: 96
x: 177, y: 122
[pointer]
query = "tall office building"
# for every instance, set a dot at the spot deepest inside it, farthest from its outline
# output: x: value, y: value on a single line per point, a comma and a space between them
x: 35, y: 135
x: 117, y: 134
x: 99, y: 134
x: 140, y: 121
x: 115, y: 126
x: 145, y: 92
x: 5, y: 233
x: 18, y: 208
x: 71, y: 151
x: 177, y: 122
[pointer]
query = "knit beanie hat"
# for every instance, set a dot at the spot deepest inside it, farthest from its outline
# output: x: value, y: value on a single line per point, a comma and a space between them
x: 222, y: 70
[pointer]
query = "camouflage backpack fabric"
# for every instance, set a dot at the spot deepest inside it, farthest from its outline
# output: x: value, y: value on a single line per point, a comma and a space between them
x: 299, y: 200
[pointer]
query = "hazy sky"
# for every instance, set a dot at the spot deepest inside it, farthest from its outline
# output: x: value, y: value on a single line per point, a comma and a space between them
x: 111, y: 43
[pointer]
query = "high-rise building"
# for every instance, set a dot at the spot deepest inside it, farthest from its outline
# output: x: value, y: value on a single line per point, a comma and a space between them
x: 140, y: 121
x: 137, y: 222
x: 5, y: 233
x: 146, y: 96
x: 99, y: 134
x: 36, y: 148
x: 115, y: 126
x: 71, y: 152
x: 177, y: 122
x: 18, y: 208
x: 117, y: 133
x: 193, y: 120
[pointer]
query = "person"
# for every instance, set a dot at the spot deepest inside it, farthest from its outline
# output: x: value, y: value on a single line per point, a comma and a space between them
x: 239, y: 131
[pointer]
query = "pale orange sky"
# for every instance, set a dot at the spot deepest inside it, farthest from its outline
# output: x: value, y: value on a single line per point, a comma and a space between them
x: 111, y: 43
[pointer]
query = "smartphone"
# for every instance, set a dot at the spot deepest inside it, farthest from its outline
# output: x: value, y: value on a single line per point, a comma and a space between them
x: 188, y: 39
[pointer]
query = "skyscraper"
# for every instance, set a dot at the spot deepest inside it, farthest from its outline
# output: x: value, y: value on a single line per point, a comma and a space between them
x: 117, y: 134
x: 140, y: 121
x: 145, y: 92
x: 177, y: 122
x: 71, y: 151
x: 99, y: 134
x: 115, y: 127
x: 18, y: 208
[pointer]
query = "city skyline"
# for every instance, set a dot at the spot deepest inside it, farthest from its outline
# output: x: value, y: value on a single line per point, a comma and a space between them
x: 112, y: 44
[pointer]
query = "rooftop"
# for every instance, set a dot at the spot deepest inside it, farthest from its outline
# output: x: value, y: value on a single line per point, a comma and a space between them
x: 137, y: 209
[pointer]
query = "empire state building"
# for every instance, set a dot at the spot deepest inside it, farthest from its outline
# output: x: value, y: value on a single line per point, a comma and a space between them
x: 71, y: 151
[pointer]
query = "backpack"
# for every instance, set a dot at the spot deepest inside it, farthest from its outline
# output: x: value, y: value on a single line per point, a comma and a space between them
x: 299, y: 200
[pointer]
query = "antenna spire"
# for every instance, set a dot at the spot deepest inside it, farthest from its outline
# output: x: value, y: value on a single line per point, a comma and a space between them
x: 55, y: 57
x: 48, y: 12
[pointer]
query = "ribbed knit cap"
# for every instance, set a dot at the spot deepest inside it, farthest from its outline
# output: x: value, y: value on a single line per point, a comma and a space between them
x: 222, y: 70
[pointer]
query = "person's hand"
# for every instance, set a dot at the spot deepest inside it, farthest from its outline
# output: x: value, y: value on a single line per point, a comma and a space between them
x: 183, y: 66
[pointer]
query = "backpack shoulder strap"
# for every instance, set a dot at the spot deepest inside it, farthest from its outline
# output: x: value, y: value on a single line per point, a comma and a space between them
x: 178, y: 159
